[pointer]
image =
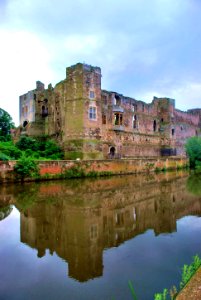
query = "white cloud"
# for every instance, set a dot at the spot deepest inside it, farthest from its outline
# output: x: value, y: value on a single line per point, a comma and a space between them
x: 23, y: 59
x: 144, y: 48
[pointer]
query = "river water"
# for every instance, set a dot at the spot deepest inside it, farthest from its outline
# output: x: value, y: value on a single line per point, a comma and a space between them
x: 85, y: 239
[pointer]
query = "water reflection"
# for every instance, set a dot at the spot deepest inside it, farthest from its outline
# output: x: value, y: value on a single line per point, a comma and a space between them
x: 5, y: 212
x: 78, y: 219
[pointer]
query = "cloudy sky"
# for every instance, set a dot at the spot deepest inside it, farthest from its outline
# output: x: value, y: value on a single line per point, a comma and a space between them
x: 145, y: 48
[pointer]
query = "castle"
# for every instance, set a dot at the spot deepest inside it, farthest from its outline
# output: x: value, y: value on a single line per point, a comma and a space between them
x: 91, y: 123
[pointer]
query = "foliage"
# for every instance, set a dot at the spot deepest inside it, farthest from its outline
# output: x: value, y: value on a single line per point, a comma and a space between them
x: 187, y: 273
x: 193, y: 184
x: 162, y: 296
x: 25, y: 143
x: 193, y: 149
x: 9, y: 150
x: 132, y: 290
x: 5, y: 211
x: 29, y: 147
x: 26, y: 167
x: 4, y: 157
x: 6, y: 124
x: 40, y: 148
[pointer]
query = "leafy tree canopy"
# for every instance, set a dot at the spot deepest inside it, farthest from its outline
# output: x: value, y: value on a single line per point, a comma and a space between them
x: 193, y: 149
x: 6, y: 123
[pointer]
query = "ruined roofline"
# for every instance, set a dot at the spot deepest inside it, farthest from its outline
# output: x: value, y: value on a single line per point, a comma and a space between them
x: 85, y: 66
x: 198, y: 110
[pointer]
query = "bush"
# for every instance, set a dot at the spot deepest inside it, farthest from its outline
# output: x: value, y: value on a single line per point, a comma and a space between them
x: 3, y: 157
x: 193, y: 150
x: 40, y: 148
x: 9, y: 149
x: 26, y: 167
x: 26, y: 143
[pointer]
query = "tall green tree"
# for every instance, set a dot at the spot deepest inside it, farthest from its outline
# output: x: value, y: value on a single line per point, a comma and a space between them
x: 6, y: 124
x: 193, y: 150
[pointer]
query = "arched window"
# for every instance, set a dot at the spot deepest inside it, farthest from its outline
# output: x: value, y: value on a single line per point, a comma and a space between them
x: 112, y: 152
x: 25, y: 123
x: 44, y: 111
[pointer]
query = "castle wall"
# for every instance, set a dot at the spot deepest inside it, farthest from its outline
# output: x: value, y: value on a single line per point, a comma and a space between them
x: 59, y: 169
x: 91, y: 123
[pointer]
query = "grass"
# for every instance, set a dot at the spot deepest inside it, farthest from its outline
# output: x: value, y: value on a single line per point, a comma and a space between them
x: 187, y: 272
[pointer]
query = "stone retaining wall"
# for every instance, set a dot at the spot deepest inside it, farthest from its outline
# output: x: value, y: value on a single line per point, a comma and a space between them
x: 53, y: 169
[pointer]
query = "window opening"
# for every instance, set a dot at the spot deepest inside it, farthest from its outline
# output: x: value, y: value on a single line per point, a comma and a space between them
x: 118, y: 119
x: 105, y: 100
x: 134, y: 107
x: 92, y: 113
x: 44, y: 111
x: 154, y: 125
x: 118, y: 100
x: 112, y: 152
x: 103, y: 119
x: 134, y: 121
x: 25, y: 123
x: 91, y: 95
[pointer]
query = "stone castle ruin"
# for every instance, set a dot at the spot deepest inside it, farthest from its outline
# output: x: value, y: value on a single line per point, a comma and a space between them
x: 91, y: 123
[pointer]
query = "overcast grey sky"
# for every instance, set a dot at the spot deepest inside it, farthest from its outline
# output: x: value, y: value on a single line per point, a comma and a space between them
x: 145, y: 48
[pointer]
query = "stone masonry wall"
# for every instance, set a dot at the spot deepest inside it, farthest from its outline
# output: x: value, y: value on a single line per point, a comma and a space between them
x: 51, y: 169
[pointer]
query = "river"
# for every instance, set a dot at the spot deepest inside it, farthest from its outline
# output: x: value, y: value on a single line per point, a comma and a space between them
x: 86, y: 238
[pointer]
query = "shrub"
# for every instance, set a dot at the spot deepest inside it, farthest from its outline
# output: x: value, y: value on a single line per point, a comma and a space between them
x: 26, y: 143
x: 3, y: 157
x: 193, y: 150
x: 26, y: 167
x: 40, y: 148
x: 9, y: 149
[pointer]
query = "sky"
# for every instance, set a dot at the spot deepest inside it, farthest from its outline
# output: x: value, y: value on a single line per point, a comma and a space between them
x: 144, y: 48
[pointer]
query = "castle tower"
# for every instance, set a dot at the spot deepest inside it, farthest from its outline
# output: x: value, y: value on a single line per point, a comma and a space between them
x: 83, y: 117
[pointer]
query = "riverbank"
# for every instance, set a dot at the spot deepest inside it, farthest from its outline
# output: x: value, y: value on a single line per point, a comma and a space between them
x: 58, y: 169
x: 192, y: 290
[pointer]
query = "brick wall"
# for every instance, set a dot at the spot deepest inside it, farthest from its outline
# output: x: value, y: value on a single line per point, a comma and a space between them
x: 115, y: 166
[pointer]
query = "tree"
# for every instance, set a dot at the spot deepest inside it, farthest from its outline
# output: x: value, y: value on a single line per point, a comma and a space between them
x: 193, y: 149
x: 6, y: 124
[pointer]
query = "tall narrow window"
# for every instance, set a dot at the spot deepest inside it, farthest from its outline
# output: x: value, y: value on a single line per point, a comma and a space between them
x: 173, y: 132
x: 91, y: 95
x: 154, y: 125
x: 134, y: 121
x: 44, y: 111
x: 118, y: 119
x: 103, y: 119
x: 92, y: 113
x: 133, y: 107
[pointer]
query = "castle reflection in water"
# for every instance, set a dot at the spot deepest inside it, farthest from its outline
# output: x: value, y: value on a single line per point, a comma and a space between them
x: 78, y: 219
